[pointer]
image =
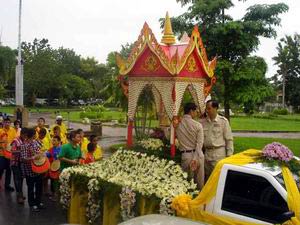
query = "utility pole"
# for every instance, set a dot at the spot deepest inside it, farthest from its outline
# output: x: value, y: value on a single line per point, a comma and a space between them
x: 19, y: 67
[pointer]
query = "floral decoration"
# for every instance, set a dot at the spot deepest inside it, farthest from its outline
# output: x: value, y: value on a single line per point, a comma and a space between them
x: 127, y: 203
x: 277, y: 151
x: 153, y: 144
x: 136, y: 173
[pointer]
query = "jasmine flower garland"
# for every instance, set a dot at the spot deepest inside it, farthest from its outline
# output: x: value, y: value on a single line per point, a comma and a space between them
x: 139, y: 173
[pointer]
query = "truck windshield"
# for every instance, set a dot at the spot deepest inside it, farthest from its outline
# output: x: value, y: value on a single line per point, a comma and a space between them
x: 280, y: 179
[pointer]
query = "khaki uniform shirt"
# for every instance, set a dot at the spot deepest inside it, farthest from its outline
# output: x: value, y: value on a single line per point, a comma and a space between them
x: 190, y: 136
x: 217, y: 134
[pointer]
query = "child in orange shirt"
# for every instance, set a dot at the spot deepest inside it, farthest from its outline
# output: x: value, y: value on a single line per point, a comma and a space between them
x: 89, y: 158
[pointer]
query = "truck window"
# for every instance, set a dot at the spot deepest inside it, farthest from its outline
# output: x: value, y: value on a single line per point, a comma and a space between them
x: 252, y: 196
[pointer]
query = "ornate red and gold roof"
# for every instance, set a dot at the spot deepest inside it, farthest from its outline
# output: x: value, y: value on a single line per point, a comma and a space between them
x: 148, y: 57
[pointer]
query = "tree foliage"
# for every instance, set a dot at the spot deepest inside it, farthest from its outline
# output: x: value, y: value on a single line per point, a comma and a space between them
x: 7, y: 68
x: 288, y: 61
x: 232, y: 41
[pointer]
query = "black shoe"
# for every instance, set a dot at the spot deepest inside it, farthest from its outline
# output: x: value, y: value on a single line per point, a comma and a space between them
x: 9, y: 188
x: 35, y: 208
x: 41, y: 206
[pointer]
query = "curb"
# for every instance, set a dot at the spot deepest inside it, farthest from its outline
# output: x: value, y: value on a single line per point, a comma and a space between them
x: 264, y: 131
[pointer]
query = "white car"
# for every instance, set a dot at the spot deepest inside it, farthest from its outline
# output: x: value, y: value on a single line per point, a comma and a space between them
x: 156, y: 219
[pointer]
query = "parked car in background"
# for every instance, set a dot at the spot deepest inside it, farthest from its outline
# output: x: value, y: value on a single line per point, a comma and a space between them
x: 10, y: 101
x: 222, y: 112
x: 2, y: 102
x: 52, y: 102
x: 81, y: 102
x: 41, y: 101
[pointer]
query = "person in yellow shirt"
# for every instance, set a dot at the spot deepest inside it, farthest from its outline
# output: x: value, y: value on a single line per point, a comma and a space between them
x: 7, y: 135
x: 44, y: 140
x: 84, y: 142
x: 57, y: 132
x: 17, y: 127
x: 98, y: 153
x: 62, y: 126
x: 41, y: 124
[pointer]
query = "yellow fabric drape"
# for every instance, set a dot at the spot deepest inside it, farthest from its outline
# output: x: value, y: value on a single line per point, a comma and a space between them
x: 186, y: 207
x: 293, y: 195
x: 111, y: 208
x: 77, y: 210
x: 147, y: 206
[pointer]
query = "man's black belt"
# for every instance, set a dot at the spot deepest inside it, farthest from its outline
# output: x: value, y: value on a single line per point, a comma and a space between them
x: 188, y: 151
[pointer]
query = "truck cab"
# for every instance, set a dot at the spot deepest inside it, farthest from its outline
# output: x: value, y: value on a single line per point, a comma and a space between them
x: 253, y: 193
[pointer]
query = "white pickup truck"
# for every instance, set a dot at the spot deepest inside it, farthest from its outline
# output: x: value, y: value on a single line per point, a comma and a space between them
x: 252, y: 193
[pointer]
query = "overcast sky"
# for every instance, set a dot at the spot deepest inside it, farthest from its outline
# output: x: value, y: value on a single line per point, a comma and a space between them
x: 94, y: 28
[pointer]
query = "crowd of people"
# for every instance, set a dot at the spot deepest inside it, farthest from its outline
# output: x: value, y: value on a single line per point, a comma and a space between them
x: 38, y: 155
x: 203, y: 144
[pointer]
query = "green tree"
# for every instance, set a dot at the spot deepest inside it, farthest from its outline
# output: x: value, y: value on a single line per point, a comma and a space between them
x: 112, y: 89
x: 67, y: 61
x: 251, y: 86
x: 40, y: 70
x: 7, y: 69
x: 74, y: 87
x: 288, y: 61
x: 232, y: 40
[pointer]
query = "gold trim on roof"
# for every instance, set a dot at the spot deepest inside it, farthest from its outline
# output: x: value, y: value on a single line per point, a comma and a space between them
x: 173, y: 65
x: 168, y: 79
x: 168, y: 38
x: 196, y: 42
x: 146, y: 38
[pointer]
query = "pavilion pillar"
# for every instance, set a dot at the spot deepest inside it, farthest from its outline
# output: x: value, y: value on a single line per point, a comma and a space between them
x: 172, y: 141
x: 129, y: 133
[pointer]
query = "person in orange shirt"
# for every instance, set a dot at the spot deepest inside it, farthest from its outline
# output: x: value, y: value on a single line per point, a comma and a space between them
x: 7, y: 135
x: 89, y: 158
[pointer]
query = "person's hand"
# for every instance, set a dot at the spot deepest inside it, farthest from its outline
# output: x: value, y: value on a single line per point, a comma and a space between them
x: 75, y: 162
x: 193, y: 165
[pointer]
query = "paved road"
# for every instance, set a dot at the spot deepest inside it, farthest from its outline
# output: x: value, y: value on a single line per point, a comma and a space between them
x: 13, y: 214
x: 120, y: 132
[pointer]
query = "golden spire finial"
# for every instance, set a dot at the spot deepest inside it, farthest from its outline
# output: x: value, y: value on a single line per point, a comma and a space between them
x: 168, y: 37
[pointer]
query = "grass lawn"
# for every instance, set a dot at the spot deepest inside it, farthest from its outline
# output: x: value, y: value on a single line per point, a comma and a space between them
x: 108, y: 115
x: 279, y: 123
x: 286, y: 123
x: 244, y: 143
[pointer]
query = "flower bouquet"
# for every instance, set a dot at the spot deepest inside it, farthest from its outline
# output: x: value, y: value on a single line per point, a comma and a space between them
x: 277, y: 154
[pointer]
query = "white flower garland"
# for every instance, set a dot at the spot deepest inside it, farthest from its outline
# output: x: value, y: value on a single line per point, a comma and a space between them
x: 152, y: 144
x: 127, y: 202
x: 93, y: 204
x: 65, y: 188
x: 147, y: 175
x: 165, y: 207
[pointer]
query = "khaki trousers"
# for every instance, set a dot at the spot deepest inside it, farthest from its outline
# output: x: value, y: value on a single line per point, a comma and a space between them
x: 198, y: 174
x: 212, y: 157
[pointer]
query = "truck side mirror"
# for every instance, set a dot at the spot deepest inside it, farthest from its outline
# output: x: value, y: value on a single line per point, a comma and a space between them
x: 286, y: 216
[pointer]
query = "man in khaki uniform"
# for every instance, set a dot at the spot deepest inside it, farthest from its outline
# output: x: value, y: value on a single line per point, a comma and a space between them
x: 218, y: 140
x: 190, y: 137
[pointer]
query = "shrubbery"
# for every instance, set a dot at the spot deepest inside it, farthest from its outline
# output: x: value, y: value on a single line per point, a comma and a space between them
x: 280, y: 111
